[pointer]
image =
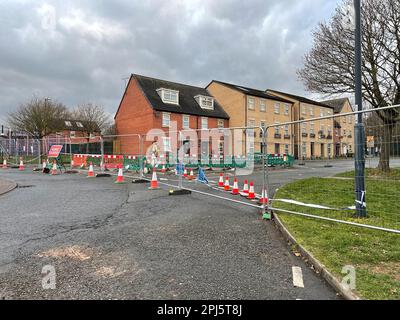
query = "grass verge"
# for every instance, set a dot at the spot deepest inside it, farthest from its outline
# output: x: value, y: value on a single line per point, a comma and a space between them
x: 374, y: 254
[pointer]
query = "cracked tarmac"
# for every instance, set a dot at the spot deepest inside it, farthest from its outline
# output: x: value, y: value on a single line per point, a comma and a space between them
x: 140, y: 244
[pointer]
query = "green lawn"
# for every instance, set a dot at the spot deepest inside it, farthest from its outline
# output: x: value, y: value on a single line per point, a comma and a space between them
x: 374, y: 254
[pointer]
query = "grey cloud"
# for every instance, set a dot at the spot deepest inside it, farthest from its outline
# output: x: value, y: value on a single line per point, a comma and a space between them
x: 95, y: 44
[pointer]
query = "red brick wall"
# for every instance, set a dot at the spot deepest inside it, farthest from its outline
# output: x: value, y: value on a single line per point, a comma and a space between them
x: 137, y: 116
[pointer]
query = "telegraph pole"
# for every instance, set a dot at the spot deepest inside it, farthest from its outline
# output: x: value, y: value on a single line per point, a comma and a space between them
x: 359, y: 126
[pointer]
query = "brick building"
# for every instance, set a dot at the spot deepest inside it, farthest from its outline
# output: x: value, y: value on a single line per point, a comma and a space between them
x: 150, y: 103
x: 344, y: 126
x: 248, y: 107
x: 311, y: 139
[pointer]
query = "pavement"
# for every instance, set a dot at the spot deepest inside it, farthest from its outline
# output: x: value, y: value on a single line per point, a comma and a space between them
x: 108, y: 241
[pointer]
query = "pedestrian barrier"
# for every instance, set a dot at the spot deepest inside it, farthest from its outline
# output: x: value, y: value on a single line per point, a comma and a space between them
x: 79, y: 160
x: 113, y: 161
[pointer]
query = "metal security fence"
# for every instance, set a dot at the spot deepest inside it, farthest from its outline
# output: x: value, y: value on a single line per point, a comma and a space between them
x: 331, y: 193
x: 14, y: 149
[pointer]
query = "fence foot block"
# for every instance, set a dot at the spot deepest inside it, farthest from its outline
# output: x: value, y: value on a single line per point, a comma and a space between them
x: 179, y: 192
x: 103, y: 175
x: 140, y: 181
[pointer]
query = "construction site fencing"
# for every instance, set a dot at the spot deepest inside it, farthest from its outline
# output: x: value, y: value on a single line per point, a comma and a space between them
x: 327, y: 190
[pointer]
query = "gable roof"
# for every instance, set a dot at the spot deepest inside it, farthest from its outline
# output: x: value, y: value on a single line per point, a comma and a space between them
x: 337, y: 104
x: 251, y: 91
x: 300, y: 98
x: 187, y: 102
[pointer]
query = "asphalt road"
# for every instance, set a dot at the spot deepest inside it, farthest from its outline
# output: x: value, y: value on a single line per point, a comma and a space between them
x: 108, y: 241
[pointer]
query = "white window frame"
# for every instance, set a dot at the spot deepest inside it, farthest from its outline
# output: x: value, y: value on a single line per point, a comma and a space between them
x: 304, y: 110
x: 251, y: 102
x: 277, y: 129
x: 164, y: 93
x: 221, y: 123
x: 251, y: 147
x: 167, y: 146
x: 186, y: 118
x: 72, y: 134
x: 165, y: 116
x: 205, y: 102
x: 68, y: 123
x: 311, y: 111
x: 263, y: 105
x: 286, y: 129
x: 304, y: 127
x: 287, y: 108
x: 277, y: 108
x: 202, y: 123
x: 79, y: 124
x: 312, y: 128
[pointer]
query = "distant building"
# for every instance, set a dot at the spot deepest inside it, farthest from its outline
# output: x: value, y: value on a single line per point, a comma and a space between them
x: 311, y: 139
x: 344, y: 126
x: 249, y: 107
x: 74, y: 136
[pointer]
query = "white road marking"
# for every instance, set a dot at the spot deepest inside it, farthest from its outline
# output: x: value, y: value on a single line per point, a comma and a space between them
x: 297, y: 277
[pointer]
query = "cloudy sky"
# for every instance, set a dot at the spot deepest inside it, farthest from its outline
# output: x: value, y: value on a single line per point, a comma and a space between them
x: 80, y: 51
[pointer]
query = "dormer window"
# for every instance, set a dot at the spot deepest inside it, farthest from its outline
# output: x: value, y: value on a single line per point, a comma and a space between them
x: 68, y: 123
x: 79, y: 124
x: 168, y: 95
x: 205, y: 102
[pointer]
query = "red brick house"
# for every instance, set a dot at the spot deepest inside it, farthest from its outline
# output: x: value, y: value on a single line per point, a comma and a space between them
x: 73, y: 133
x: 150, y: 103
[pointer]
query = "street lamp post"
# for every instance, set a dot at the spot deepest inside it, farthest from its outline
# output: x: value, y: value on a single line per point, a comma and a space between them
x: 359, y: 126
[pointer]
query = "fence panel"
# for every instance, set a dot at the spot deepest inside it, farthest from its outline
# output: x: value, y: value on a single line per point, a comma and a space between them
x: 330, y: 189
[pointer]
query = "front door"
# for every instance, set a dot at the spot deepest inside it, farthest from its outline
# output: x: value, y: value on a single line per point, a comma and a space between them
x: 322, y: 150
x: 277, y: 148
x: 312, y: 149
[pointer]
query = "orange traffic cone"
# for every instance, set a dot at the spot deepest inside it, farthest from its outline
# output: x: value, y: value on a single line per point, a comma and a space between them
x: 154, y: 181
x: 191, y: 175
x: 251, y: 195
x: 227, y: 187
x: 235, y: 190
x: 163, y: 170
x: 54, y: 169
x: 72, y: 164
x: 264, y: 197
x: 21, y: 165
x: 120, y: 178
x: 91, y: 172
x: 5, y: 164
x: 185, y: 173
x: 245, y: 190
x: 221, y: 181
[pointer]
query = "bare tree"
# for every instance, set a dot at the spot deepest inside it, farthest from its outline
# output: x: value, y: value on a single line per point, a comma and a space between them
x: 93, y: 118
x: 329, y: 66
x: 38, y: 117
